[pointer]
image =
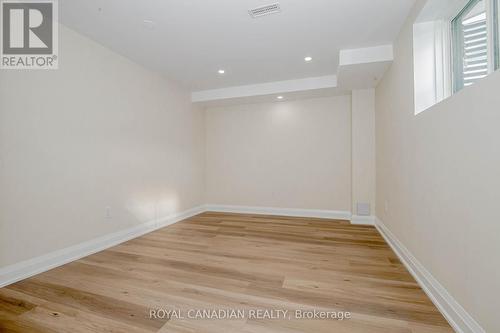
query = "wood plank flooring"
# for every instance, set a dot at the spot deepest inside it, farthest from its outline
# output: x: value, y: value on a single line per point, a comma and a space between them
x: 228, y: 261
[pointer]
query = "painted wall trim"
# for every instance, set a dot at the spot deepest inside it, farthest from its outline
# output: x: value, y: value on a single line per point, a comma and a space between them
x: 269, y: 88
x: 327, y: 214
x: 363, y: 220
x: 25, y: 269
x: 366, y: 55
x: 457, y: 316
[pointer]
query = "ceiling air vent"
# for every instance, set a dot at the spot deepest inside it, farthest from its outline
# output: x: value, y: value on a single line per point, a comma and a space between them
x: 265, y: 10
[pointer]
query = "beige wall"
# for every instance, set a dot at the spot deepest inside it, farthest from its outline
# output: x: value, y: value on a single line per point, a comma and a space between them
x: 100, y: 131
x: 438, y: 172
x: 292, y: 154
x: 363, y: 148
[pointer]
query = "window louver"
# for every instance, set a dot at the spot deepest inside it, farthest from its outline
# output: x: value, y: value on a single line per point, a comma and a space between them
x: 475, y: 52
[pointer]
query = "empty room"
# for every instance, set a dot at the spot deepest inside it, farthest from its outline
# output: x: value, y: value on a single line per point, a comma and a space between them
x: 249, y: 166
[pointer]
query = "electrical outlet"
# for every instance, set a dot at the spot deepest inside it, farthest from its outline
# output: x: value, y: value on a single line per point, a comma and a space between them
x: 386, y: 206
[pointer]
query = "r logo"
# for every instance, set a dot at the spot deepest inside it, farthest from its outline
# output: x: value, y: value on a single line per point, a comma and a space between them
x: 27, y: 28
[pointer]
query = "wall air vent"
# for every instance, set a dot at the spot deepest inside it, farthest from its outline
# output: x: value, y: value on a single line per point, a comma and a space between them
x: 265, y: 10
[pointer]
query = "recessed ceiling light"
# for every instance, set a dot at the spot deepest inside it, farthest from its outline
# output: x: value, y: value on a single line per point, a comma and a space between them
x: 148, y: 24
x: 308, y: 59
x: 279, y: 97
x: 221, y: 71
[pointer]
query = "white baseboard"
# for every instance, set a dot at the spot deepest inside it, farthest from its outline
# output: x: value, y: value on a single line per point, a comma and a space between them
x: 28, y: 268
x: 456, y: 315
x: 25, y: 269
x: 363, y: 220
x: 459, y: 319
x: 326, y: 214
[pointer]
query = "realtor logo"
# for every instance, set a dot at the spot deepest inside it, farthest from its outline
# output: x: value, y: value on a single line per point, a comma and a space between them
x: 29, y: 34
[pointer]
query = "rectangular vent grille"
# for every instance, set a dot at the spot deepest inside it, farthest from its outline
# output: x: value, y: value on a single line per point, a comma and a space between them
x: 265, y: 10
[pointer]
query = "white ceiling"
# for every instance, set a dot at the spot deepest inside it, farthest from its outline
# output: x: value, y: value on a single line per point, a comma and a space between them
x: 192, y: 39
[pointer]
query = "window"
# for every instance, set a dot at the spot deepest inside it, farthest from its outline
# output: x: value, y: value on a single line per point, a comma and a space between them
x: 474, y: 42
x: 455, y: 43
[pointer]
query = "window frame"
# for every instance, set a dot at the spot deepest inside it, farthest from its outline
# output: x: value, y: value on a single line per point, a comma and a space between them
x: 493, y: 41
x: 433, y: 46
x: 495, y: 7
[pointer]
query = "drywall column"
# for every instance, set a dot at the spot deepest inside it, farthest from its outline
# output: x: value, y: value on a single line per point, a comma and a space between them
x: 363, y: 156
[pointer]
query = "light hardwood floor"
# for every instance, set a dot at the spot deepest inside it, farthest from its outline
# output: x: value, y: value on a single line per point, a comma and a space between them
x: 224, y: 261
